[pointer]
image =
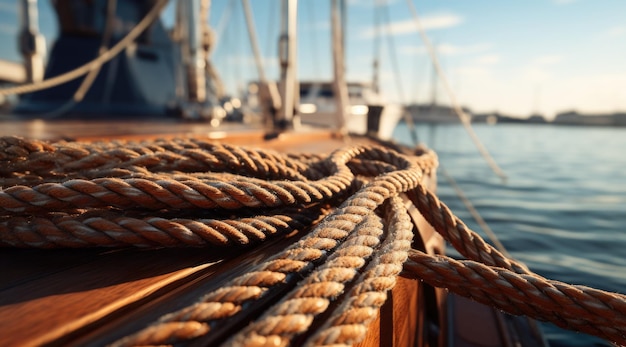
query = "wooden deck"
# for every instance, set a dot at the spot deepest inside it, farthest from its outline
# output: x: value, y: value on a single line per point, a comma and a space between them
x: 95, y: 296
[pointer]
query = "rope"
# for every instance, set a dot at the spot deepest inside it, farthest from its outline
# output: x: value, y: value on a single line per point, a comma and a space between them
x: 571, y: 307
x: 337, y: 226
x: 504, y: 283
x: 346, y: 324
x: 114, y: 229
x: 351, y: 235
x: 94, y: 64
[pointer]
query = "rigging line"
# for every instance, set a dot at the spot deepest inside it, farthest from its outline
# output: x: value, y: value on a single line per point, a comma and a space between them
x: 416, y: 89
x: 376, y: 52
x: 221, y: 26
x: 396, y: 70
x: 465, y: 121
x: 213, y: 80
x: 271, y: 30
x: 463, y: 117
x: 472, y: 210
x: 254, y: 42
x: 314, y: 45
x: 225, y: 54
x: 103, y: 58
x: 87, y: 82
x: 392, y: 53
x: 239, y: 48
x: 106, y: 38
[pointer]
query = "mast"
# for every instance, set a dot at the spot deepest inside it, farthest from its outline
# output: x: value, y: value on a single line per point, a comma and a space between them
x: 253, y: 41
x: 268, y: 95
x: 377, y: 38
x: 189, y: 34
x: 287, y: 55
x: 208, y: 43
x: 32, y: 44
x: 195, y: 63
x: 339, y: 68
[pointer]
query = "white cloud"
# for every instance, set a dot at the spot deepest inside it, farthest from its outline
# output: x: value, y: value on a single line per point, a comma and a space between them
x: 586, y: 93
x: 447, y: 49
x: 441, y: 21
x: 545, y: 60
x: 430, y: 22
x: 370, y: 3
x: 488, y: 59
x: 539, y: 69
x: 472, y: 71
x: 479, y: 68
x: 513, y: 93
x: 617, y: 31
x: 536, y: 74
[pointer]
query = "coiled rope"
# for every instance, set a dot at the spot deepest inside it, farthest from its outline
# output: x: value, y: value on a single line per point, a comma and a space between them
x: 322, y: 290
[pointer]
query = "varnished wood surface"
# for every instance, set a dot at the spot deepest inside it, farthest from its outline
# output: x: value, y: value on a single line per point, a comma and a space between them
x: 93, y: 297
x: 56, y: 302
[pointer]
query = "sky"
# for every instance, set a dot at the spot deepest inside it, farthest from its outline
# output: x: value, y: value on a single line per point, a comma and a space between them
x: 514, y: 57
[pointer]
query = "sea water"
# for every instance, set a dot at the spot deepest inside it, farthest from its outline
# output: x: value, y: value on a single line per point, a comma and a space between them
x: 561, y: 209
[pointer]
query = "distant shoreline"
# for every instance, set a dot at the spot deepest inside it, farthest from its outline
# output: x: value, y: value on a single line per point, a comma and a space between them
x: 439, y: 114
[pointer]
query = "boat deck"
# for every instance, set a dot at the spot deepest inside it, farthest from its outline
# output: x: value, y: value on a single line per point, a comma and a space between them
x: 93, y: 297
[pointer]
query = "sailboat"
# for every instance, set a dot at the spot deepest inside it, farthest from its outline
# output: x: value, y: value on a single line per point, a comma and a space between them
x: 155, y: 231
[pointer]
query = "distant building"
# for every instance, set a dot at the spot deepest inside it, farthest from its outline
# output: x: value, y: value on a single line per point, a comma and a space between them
x: 575, y: 118
x: 434, y: 113
x: 536, y: 119
x: 490, y: 118
x: 619, y: 119
x: 497, y: 117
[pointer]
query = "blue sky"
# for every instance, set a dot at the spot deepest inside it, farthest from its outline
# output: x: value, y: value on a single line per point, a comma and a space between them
x: 510, y: 56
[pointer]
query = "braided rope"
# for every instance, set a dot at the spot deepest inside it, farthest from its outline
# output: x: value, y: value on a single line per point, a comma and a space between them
x: 298, y: 258
x: 70, y: 195
x: 295, y: 312
x: 114, y: 229
x: 572, y: 307
x: 187, y: 155
x: 462, y: 238
x: 519, y: 291
x: 349, y: 321
x: 154, y: 193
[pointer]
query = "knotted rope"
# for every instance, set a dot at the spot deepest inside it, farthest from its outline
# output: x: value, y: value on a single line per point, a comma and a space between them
x: 326, y: 287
